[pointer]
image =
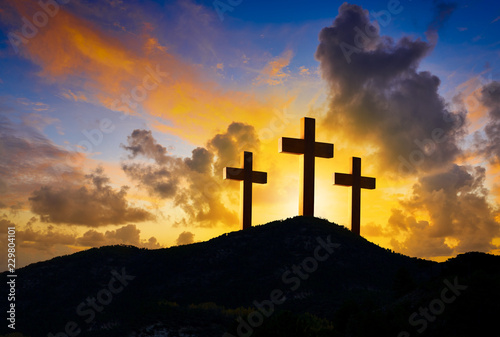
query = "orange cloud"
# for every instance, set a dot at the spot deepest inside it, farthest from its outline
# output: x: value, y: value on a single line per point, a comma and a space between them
x: 272, y: 73
x: 471, y: 96
x: 77, y: 97
x: 123, y: 76
x: 494, y: 171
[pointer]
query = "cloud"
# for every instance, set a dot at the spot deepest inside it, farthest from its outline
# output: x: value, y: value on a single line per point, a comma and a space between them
x: 193, y: 184
x: 185, y: 238
x: 92, y: 238
x: 160, y: 179
x: 228, y: 146
x: 43, y: 240
x: 30, y: 160
x: 418, y: 243
x: 80, y: 41
x: 38, y: 242
x: 76, y: 97
x: 32, y: 251
x: 78, y: 53
x: 304, y: 70
x: 489, y: 144
x: 93, y: 204
x: 142, y: 142
x: 38, y: 121
x: 379, y: 99
x: 157, y: 179
x: 127, y: 235
x: 46, y: 238
x: 460, y: 218
x: 272, y: 73
x: 200, y: 161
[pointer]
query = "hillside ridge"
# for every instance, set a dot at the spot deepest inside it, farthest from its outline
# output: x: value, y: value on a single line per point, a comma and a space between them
x: 308, y: 265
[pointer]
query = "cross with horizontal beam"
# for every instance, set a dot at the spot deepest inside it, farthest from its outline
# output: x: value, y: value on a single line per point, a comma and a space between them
x: 309, y: 149
x: 247, y: 176
x: 357, y: 182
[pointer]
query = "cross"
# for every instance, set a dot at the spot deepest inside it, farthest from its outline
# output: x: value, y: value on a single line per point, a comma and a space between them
x: 308, y: 148
x: 247, y: 176
x: 357, y: 182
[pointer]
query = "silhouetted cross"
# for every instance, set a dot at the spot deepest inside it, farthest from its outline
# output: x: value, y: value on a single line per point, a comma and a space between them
x: 247, y: 177
x: 309, y: 149
x: 357, y: 182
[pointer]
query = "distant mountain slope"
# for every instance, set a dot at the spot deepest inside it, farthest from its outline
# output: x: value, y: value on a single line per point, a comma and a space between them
x: 307, y: 274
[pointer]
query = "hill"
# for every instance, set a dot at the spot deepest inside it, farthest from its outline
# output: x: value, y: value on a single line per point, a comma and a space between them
x: 298, y: 277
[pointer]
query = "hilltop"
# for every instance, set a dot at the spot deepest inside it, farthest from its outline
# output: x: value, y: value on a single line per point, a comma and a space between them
x: 297, y: 277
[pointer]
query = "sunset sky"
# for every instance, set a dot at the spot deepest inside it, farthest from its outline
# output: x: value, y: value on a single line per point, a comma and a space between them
x: 118, y: 117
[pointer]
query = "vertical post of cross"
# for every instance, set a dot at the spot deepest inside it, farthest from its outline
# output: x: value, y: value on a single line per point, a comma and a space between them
x: 307, y: 161
x: 246, y: 190
x: 356, y: 196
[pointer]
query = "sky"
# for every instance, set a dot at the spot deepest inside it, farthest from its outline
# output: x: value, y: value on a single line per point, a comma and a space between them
x: 118, y: 117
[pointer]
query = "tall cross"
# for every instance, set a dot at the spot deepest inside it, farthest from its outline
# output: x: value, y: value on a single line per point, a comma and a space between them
x: 247, y: 177
x: 308, y: 148
x: 357, y: 182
